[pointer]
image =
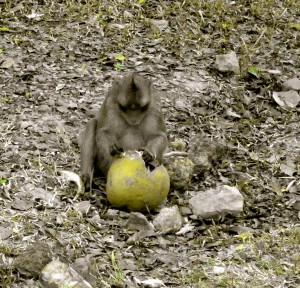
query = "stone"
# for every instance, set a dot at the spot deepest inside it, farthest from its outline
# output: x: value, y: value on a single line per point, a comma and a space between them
x: 168, y: 220
x: 159, y: 24
x: 5, y: 232
x: 111, y: 214
x: 216, y: 202
x: 57, y: 274
x: 44, y: 108
x: 287, y: 99
x: 203, y: 152
x: 239, y: 229
x: 83, y: 207
x: 137, y: 221
x: 180, y: 170
x: 228, y: 63
x: 87, y: 268
x: 31, y: 262
x: 291, y: 84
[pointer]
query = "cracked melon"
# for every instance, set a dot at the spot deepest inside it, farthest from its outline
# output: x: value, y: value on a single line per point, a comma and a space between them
x: 130, y: 184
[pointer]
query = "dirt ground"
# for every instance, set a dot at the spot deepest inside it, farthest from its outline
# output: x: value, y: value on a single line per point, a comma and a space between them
x: 57, y: 61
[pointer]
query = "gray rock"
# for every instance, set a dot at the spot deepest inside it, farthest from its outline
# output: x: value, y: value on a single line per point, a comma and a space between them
x: 33, y: 259
x: 288, y: 99
x: 25, y: 200
x: 22, y: 204
x: 112, y: 214
x: 57, y: 274
x: 5, y: 232
x: 44, y: 108
x: 204, y: 152
x: 180, y: 170
x: 228, y: 63
x: 291, y: 84
x: 216, y: 202
x: 137, y: 221
x: 87, y: 268
x: 47, y: 197
x: 239, y: 229
x: 296, y: 205
x: 196, y: 86
x: 168, y: 220
x: 159, y: 24
x: 83, y: 207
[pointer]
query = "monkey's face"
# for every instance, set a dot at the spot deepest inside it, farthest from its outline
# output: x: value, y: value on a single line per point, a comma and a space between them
x: 133, y: 99
x: 133, y: 113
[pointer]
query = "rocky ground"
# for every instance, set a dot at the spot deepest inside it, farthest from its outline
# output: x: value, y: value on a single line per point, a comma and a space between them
x: 57, y: 61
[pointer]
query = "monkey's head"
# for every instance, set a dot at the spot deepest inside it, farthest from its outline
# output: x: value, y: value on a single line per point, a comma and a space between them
x: 134, y: 98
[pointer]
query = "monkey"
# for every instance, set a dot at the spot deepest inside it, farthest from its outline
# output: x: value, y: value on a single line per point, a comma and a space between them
x: 130, y: 118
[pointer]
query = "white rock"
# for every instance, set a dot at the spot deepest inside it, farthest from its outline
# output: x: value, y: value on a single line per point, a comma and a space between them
x: 83, y: 206
x: 194, y: 86
x: 159, y: 24
x: 215, y: 202
x: 292, y: 84
x: 228, y: 63
x: 168, y: 220
x: 218, y: 270
x: 287, y: 99
x: 138, y: 221
x: 57, y: 274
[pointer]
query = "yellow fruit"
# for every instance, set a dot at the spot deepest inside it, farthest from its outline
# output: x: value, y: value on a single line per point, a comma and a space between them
x: 132, y: 185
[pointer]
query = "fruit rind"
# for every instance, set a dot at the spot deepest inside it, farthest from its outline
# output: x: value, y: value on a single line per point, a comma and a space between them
x: 132, y: 185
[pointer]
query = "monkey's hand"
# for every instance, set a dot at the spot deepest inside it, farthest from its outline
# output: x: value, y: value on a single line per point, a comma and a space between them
x: 115, y: 150
x: 147, y: 156
x: 150, y: 160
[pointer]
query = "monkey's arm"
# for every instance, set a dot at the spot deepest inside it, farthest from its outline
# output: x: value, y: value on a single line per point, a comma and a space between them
x: 88, y: 153
x: 155, y: 147
x: 106, y: 145
x: 157, y: 138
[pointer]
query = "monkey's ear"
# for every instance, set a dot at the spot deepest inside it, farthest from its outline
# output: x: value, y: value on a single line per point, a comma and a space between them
x: 118, y: 81
x: 140, y: 81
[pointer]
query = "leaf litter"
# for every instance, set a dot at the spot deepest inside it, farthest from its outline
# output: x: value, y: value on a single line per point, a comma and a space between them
x: 57, y: 62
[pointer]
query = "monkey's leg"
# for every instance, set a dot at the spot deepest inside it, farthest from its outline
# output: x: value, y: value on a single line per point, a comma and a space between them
x: 88, y: 153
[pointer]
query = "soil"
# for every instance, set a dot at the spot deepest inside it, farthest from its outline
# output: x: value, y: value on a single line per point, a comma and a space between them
x: 57, y: 62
